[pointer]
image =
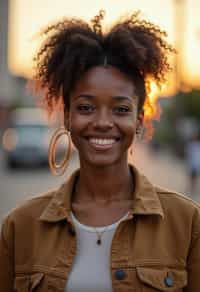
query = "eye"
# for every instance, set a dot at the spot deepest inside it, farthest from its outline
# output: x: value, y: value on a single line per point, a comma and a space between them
x: 85, y: 108
x: 121, y: 110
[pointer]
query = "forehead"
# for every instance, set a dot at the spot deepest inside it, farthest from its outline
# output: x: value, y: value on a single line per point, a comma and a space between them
x: 105, y: 81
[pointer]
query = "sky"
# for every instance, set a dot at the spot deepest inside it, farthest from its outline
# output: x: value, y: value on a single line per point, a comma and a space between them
x: 27, y: 17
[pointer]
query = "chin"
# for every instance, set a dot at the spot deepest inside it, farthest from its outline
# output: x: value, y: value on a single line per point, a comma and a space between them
x: 104, y: 161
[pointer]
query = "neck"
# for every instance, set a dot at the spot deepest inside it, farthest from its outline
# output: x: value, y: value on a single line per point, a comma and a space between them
x: 104, y: 184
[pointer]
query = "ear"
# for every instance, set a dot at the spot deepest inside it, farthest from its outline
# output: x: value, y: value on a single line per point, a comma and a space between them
x: 140, y: 119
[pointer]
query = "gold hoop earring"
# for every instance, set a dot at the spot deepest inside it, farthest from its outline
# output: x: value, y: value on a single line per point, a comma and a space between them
x: 59, y: 169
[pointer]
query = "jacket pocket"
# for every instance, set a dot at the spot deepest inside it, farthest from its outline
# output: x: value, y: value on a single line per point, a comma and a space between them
x: 28, y: 283
x: 159, y: 279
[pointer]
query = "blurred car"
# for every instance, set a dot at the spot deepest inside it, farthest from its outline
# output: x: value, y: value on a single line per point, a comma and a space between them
x: 26, y: 141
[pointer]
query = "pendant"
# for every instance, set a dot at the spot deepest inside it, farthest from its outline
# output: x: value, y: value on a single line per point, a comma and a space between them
x: 99, y: 241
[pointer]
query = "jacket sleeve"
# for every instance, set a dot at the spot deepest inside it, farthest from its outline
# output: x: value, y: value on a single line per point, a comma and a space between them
x: 193, y: 266
x: 7, y: 256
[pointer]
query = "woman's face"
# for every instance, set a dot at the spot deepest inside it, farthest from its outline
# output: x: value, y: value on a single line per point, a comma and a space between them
x: 103, y: 116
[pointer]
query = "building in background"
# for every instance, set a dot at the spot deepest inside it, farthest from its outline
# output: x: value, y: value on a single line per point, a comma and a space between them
x: 7, y: 81
x: 12, y: 88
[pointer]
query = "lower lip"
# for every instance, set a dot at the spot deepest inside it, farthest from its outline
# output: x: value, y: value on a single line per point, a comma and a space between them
x: 102, y: 146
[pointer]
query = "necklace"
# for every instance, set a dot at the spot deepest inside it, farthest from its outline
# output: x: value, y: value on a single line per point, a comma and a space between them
x: 99, y: 235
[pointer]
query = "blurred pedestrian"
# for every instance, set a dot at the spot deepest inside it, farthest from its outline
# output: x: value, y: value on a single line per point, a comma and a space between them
x: 107, y: 228
x: 192, y: 154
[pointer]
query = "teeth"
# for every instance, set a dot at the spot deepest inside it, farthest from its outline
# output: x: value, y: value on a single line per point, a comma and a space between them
x: 102, y: 141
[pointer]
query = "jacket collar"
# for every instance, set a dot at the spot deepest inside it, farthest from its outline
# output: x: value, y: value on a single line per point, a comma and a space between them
x: 145, y: 199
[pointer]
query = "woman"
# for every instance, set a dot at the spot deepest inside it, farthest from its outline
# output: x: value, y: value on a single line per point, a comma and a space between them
x: 107, y: 228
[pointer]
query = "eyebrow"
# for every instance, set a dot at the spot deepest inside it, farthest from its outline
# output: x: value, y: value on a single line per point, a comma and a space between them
x: 117, y: 97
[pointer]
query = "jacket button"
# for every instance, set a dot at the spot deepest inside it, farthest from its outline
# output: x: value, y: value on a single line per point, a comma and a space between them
x: 169, y: 281
x: 71, y: 231
x: 120, y: 274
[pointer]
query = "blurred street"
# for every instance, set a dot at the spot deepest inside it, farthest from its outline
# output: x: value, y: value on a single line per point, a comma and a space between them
x: 17, y: 185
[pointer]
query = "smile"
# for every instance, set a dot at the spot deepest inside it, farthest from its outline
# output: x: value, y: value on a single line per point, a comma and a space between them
x: 102, y: 143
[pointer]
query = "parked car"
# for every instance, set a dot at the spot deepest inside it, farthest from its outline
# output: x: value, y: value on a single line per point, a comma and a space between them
x: 26, y: 140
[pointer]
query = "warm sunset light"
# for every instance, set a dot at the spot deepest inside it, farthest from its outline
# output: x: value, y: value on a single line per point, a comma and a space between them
x: 28, y: 17
x: 150, y: 108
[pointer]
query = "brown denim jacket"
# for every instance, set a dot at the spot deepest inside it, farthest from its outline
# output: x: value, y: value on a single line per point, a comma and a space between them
x: 156, y: 249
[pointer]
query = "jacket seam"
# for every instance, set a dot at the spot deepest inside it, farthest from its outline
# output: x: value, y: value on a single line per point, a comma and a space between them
x: 40, y: 269
x: 152, y: 263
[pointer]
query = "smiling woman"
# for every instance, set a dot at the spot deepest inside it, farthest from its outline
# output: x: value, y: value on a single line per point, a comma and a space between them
x: 103, y: 114
x: 107, y: 228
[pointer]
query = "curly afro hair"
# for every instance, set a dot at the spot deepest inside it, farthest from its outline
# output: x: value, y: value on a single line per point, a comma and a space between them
x: 72, y: 46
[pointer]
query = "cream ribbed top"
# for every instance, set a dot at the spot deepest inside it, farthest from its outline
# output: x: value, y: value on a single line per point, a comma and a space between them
x: 91, y: 268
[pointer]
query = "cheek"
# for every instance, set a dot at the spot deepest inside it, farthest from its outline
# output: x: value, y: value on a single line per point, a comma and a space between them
x: 128, y: 125
x: 131, y: 131
x: 77, y: 122
x: 78, y: 125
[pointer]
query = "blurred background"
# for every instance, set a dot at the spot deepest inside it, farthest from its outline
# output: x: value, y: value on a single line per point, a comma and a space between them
x: 171, y: 159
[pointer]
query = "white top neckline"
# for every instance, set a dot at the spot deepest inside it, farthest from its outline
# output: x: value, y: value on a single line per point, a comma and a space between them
x: 97, y: 229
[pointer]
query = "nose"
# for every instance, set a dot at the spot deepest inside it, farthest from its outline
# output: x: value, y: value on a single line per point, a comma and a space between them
x: 103, y: 120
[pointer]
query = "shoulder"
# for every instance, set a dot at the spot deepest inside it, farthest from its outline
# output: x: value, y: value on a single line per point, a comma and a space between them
x: 30, y: 209
x: 49, y: 206
x: 180, y: 208
x: 172, y: 198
